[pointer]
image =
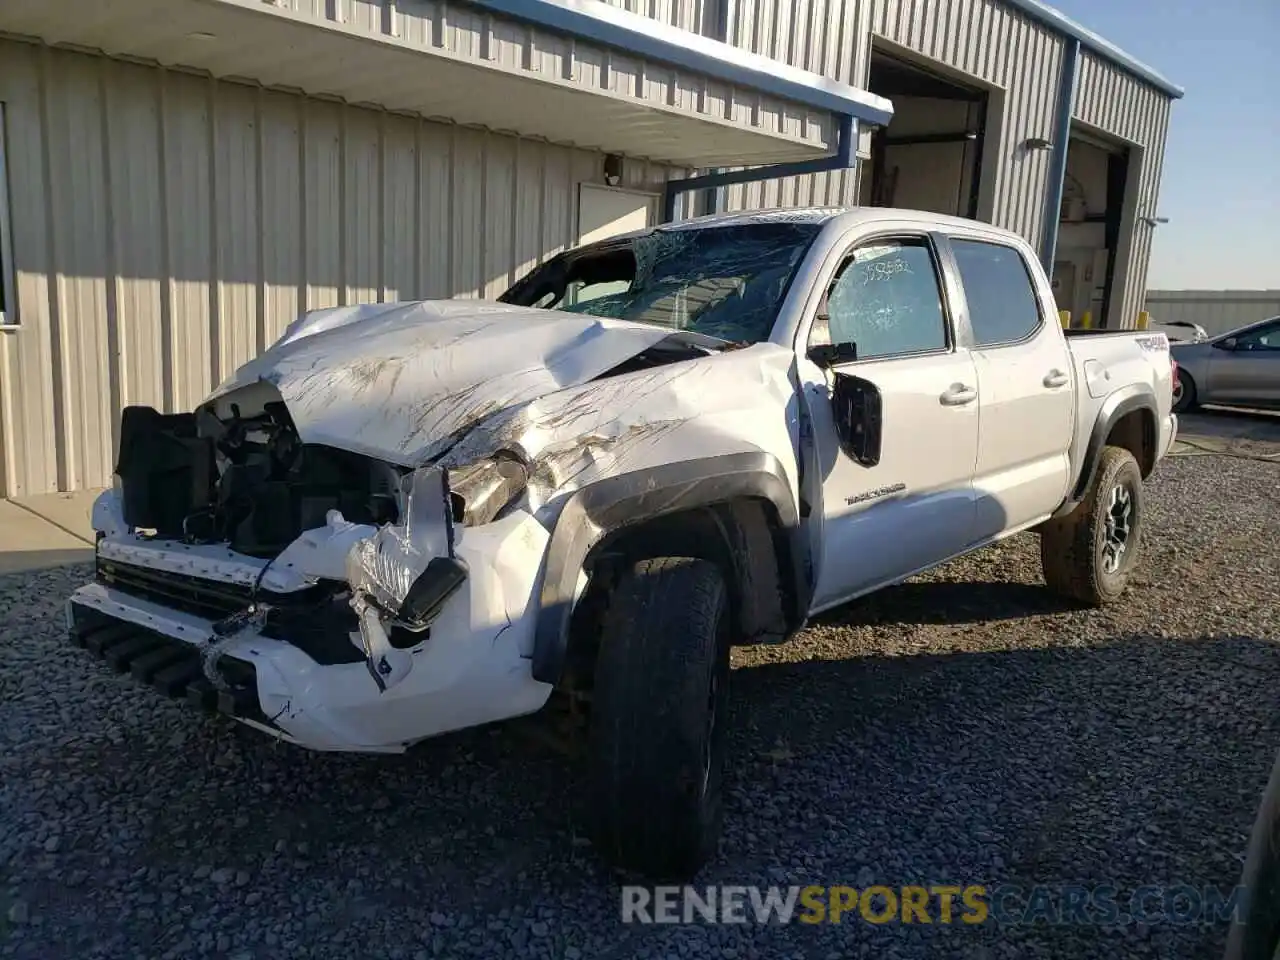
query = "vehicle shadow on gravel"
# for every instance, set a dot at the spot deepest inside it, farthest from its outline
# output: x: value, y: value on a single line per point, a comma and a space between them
x: 949, y: 602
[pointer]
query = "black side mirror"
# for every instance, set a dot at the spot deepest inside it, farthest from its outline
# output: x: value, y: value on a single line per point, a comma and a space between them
x: 1231, y: 343
x: 832, y: 354
x: 856, y: 408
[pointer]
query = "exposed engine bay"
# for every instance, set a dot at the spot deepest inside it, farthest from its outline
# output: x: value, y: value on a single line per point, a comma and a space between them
x: 249, y: 482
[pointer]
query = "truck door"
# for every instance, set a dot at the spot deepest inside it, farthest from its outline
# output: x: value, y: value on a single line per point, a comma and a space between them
x: 1024, y: 376
x: 892, y: 401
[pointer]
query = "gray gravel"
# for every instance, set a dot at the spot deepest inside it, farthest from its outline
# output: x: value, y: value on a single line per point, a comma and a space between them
x: 965, y: 727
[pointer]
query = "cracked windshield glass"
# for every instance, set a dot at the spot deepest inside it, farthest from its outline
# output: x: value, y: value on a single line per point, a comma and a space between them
x: 726, y: 282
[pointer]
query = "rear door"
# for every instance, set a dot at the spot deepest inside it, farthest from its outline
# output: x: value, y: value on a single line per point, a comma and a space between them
x: 1024, y: 377
x: 882, y: 521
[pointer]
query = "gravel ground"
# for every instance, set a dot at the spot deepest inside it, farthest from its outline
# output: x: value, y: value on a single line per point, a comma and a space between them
x: 964, y: 727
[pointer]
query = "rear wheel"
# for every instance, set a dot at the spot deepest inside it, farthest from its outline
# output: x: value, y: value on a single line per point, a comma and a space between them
x: 658, y: 718
x: 1089, y: 554
x: 1184, y: 393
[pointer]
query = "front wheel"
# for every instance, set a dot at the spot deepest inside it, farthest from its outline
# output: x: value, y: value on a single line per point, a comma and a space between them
x: 1089, y: 554
x: 658, y: 718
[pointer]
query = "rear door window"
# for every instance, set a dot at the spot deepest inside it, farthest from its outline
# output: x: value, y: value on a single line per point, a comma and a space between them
x: 1003, y: 306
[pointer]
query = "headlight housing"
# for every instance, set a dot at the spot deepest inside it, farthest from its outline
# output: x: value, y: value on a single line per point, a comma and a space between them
x: 480, y: 490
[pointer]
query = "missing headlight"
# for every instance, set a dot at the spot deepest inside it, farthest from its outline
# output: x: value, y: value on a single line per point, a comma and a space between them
x: 479, y: 491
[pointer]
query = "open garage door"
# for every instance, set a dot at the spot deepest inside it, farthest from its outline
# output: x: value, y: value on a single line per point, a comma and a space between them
x: 929, y: 157
x: 1093, y: 204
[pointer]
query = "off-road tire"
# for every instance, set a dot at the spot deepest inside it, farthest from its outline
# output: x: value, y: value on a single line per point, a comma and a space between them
x: 1256, y: 934
x: 1072, y: 547
x: 658, y: 718
x: 1187, y: 401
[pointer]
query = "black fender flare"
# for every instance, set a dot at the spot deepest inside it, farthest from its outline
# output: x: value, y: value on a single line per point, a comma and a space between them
x: 1119, y: 404
x: 616, y: 502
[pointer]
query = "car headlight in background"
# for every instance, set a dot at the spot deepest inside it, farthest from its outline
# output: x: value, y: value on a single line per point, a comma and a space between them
x: 480, y: 490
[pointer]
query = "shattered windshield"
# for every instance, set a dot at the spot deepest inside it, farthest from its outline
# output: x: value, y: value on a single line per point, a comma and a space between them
x: 725, y: 282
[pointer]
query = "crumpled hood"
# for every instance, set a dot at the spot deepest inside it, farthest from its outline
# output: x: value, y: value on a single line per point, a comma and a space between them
x: 403, y: 381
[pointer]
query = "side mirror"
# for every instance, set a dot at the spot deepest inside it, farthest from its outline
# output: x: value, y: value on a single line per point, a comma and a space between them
x: 1231, y: 343
x: 828, y: 355
x: 856, y: 409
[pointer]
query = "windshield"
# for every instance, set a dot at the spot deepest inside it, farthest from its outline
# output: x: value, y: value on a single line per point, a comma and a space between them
x: 725, y: 282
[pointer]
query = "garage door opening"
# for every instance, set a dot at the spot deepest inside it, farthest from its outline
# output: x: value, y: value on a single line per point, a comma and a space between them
x: 929, y: 157
x: 1093, y: 201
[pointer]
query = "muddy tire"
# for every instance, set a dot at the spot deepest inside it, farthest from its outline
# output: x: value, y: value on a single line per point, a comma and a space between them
x: 1089, y: 554
x: 1184, y: 393
x: 1256, y: 935
x: 658, y: 719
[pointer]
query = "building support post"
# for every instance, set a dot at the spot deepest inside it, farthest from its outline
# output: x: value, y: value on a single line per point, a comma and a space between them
x: 1058, y: 161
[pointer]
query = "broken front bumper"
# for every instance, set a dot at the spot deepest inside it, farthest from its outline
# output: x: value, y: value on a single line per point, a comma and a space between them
x: 153, y: 609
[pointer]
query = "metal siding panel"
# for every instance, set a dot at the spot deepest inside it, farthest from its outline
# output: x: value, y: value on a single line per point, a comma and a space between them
x: 400, y: 202
x: 685, y: 14
x: 365, y: 15
x: 463, y: 30
x: 361, y: 207
x: 323, y: 240
x: 501, y: 158
x: 557, y: 199
x: 830, y: 37
x: 29, y: 427
x: 236, y: 226
x: 82, y: 366
x: 507, y: 43
x: 467, y: 221
x: 282, y: 165
x: 415, y: 19
x: 1116, y: 103
x: 189, y: 200
x: 137, y: 234
x: 435, y: 209
x: 528, y: 211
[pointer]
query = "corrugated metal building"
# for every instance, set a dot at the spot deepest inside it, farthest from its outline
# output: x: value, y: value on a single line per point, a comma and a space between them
x: 1216, y: 310
x: 180, y: 178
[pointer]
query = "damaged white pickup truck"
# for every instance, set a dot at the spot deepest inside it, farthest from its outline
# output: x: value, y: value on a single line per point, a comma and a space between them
x: 404, y: 519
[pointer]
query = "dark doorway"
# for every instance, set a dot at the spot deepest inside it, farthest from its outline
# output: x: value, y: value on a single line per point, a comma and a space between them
x: 1089, y: 224
x: 930, y: 155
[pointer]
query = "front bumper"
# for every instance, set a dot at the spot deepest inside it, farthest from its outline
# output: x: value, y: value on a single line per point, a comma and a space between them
x: 472, y: 666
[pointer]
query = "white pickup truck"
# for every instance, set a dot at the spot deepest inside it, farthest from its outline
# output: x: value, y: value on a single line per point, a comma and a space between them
x: 404, y: 519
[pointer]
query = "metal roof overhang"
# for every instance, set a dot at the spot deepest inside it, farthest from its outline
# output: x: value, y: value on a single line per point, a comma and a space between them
x: 576, y: 72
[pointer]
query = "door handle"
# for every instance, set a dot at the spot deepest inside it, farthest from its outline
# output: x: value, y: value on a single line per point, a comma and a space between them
x: 957, y: 395
x: 1055, y: 378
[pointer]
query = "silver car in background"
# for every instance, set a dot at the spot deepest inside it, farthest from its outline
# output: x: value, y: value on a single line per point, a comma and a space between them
x: 1240, y: 368
x: 1181, y: 330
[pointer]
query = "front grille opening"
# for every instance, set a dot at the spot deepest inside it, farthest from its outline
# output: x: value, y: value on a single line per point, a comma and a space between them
x: 317, y: 619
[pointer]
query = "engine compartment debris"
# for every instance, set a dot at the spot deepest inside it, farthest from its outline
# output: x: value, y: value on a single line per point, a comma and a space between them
x: 249, y: 482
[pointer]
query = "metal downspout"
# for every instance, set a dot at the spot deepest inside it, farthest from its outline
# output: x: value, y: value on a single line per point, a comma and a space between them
x: 842, y: 159
x: 1058, y: 162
